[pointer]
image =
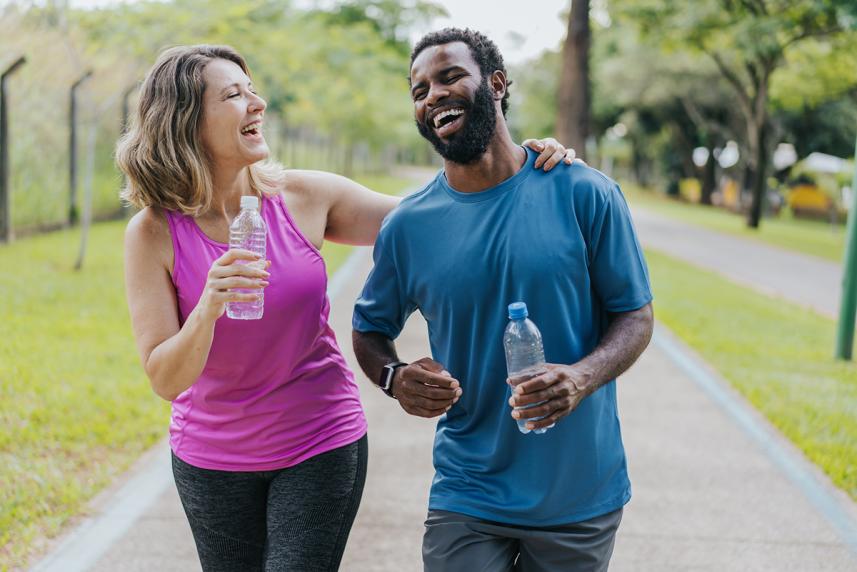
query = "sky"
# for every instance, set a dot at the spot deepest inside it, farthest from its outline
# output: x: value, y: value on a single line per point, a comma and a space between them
x: 522, y: 29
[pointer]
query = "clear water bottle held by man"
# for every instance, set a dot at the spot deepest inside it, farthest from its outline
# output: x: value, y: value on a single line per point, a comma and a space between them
x: 248, y: 232
x: 525, y: 355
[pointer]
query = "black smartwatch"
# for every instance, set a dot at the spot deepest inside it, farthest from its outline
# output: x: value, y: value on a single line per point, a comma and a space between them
x: 387, y: 373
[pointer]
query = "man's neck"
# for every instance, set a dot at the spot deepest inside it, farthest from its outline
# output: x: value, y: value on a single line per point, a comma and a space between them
x: 501, y: 160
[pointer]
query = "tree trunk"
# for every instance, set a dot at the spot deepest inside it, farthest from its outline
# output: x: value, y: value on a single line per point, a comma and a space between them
x: 759, y: 182
x: 709, y: 180
x: 572, y: 125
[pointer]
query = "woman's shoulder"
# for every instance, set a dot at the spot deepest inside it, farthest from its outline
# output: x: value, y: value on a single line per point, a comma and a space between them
x: 148, y: 222
x: 149, y: 230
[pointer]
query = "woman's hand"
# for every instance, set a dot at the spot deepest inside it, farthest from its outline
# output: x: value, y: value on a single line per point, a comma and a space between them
x: 227, y: 274
x: 551, y: 152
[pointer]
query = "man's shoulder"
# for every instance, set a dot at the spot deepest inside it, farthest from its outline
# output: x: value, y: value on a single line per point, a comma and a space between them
x: 584, y: 177
x: 583, y: 184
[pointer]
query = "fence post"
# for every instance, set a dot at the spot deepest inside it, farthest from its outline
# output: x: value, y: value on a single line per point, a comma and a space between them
x: 5, y: 191
x: 72, y: 147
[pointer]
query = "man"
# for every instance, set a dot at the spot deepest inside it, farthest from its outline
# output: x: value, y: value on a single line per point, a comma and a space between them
x: 484, y: 233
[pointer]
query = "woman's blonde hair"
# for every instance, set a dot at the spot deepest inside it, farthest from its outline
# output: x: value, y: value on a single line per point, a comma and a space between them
x: 162, y: 153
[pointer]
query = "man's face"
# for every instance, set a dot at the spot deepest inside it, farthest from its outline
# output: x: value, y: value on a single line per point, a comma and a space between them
x: 454, y: 107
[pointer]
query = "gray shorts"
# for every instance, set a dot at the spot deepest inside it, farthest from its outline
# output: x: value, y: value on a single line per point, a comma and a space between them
x: 459, y: 543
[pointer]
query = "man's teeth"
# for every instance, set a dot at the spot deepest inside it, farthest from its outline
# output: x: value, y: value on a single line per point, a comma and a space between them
x: 446, y: 113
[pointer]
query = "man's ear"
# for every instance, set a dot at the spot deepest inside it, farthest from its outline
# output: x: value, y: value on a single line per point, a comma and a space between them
x: 498, y: 84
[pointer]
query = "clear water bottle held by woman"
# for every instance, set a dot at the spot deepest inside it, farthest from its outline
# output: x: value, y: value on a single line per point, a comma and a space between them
x: 525, y: 355
x: 248, y: 232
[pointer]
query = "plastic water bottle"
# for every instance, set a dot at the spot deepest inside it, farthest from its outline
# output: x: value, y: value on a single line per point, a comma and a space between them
x: 248, y: 232
x: 525, y: 355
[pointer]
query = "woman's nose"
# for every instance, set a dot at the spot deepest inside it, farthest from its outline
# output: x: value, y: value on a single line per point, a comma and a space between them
x: 257, y: 103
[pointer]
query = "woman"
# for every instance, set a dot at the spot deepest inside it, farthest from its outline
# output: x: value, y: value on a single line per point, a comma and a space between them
x: 267, y: 431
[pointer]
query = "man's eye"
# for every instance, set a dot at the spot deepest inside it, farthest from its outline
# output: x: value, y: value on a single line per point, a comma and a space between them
x: 454, y: 78
x: 419, y: 95
x: 231, y: 95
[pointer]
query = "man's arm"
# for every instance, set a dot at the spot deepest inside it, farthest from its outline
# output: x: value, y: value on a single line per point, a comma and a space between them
x: 563, y: 387
x: 423, y: 388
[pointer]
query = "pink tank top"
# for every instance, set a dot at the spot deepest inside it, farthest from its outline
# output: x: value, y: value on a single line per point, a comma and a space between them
x: 274, y: 391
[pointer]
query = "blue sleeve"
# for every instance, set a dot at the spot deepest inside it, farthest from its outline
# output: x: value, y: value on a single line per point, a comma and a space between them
x: 617, y: 266
x: 384, y: 305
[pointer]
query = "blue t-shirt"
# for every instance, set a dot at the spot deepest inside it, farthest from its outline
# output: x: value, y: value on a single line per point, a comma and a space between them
x: 562, y: 242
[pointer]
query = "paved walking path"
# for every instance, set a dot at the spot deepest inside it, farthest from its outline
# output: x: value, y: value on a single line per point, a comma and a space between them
x: 715, y: 487
x: 799, y: 278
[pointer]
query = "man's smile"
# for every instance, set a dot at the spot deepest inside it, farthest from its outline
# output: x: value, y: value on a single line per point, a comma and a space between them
x: 447, y: 121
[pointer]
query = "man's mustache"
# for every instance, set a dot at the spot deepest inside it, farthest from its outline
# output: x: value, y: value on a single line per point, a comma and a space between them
x: 462, y: 103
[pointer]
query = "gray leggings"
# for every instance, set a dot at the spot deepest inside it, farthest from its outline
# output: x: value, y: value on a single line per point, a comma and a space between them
x: 296, y: 518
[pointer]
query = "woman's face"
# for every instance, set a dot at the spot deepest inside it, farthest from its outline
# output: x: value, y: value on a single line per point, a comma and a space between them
x: 232, y: 116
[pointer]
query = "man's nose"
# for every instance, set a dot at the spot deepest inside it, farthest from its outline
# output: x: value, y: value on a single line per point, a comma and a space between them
x: 436, y: 94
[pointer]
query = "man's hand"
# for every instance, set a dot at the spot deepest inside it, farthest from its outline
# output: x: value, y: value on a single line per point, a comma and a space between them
x: 424, y: 388
x: 560, y: 387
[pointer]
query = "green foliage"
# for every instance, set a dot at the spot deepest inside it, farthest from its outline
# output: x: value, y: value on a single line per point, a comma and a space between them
x: 816, y: 71
x: 779, y: 356
x: 681, y: 78
x: 336, y: 83
x: 533, y: 95
x: 392, y: 19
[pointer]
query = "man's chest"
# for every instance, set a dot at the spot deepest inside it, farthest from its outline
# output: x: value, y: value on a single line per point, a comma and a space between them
x: 467, y: 265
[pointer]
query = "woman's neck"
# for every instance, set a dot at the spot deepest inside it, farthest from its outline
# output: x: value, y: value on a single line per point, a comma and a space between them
x: 228, y: 186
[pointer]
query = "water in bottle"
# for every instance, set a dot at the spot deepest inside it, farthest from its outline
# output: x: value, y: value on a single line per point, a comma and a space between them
x: 525, y: 355
x: 248, y: 232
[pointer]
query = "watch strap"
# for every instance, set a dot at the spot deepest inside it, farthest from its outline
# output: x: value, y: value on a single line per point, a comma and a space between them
x: 387, y: 373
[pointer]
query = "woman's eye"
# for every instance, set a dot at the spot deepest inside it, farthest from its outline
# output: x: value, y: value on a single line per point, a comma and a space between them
x: 231, y: 95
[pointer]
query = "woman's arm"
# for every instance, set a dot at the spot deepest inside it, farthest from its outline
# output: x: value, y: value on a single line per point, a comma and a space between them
x: 355, y: 212
x: 173, y: 356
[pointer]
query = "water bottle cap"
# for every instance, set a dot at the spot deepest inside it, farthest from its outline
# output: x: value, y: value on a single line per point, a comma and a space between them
x: 517, y: 310
x: 250, y: 202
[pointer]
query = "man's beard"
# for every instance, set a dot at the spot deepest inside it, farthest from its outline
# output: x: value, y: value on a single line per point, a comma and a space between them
x: 472, y: 138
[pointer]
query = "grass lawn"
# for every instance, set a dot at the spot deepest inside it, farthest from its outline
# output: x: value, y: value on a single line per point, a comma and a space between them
x: 779, y: 356
x: 810, y: 237
x: 77, y: 408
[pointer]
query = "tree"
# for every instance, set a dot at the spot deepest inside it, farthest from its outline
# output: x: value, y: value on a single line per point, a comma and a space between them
x: 572, y: 123
x: 392, y: 19
x: 747, y: 41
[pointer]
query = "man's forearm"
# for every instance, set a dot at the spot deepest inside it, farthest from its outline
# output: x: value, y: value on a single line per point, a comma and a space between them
x: 373, y: 351
x: 627, y: 336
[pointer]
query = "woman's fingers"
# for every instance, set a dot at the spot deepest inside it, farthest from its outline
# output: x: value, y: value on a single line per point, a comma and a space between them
x: 234, y: 254
x: 251, y: 270
x: 237, y: 282
x: 224, y: 296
